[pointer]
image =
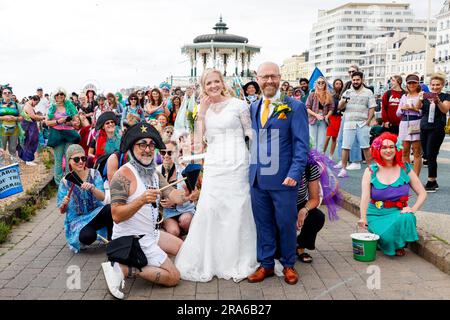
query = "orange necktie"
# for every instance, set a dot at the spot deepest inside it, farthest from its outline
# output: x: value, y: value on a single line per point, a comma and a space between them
x: 265, y: 113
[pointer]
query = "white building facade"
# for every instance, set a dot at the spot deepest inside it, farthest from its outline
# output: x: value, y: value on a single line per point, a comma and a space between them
x: 296, y: 67
x: 442, y: 54
x: 396, y: 53
x: 339, y: 37
x: 414, y: 63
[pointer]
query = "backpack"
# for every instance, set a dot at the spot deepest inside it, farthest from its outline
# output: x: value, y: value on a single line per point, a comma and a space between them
x: 101, y: 162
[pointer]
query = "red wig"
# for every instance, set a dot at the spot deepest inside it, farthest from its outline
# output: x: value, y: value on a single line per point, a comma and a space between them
x: 101, y: 143
x: 376, y: 147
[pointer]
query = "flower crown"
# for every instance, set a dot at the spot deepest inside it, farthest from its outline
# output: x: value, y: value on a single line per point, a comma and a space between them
x: 376, y: 144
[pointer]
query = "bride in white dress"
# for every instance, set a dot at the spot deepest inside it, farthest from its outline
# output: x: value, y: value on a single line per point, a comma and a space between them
x: 222, y: 237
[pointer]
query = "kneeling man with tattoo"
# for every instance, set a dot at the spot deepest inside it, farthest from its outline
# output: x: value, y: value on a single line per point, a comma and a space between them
x: 135, y: 197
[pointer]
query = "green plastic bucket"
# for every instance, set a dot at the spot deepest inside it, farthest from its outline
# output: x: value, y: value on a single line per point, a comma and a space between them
x: 364, y: 246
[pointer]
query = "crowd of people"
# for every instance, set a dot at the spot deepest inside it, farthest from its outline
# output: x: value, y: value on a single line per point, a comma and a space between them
x: 345, y: 114
x: 119, y: 161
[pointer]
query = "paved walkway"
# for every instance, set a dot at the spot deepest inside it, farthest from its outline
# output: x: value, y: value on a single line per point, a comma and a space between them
x: 35, y: 261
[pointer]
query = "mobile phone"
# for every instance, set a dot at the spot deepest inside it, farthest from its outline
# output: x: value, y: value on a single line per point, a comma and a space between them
x: 430, y: 95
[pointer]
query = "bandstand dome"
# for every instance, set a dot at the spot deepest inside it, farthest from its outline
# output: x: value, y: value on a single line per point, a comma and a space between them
x: 219, y: 48
x: 220, y: 38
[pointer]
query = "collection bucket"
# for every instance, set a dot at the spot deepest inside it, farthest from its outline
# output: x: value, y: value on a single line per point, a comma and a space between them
x: 364, y: 246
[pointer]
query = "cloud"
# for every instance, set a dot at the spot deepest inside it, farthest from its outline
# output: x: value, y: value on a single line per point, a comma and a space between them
x: 120, y: 43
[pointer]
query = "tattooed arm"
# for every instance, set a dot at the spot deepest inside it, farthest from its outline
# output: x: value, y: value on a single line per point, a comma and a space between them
x: 120, y: 191
x: 177, y: 196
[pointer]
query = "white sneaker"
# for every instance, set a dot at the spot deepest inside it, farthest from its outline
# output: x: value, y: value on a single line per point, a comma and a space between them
x: 30, y: 163
x: 342, y: 173
x: 114, y: 279
x: 339, y: 165
x: 354, y: 166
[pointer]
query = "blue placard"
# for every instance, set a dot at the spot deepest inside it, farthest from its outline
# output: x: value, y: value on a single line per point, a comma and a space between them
x: 10, y: 182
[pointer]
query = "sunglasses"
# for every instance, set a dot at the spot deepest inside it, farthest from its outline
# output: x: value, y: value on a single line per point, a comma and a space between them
x: 133, y: 99
x: 320, y: 82
x: 169, y: 153
x: 59, y: 94
x: 6, y: 92
x: 143, y: 146
x: 78, y: 159
x: 351, y: 71
x: 110, y: 122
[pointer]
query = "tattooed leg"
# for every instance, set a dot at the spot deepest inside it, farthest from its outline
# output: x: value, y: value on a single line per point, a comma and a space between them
x: 167, y: 275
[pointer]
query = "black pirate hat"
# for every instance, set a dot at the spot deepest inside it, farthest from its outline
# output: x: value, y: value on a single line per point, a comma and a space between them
x: 255, y: 84
x: 139, y: 131
x: 105, y: 116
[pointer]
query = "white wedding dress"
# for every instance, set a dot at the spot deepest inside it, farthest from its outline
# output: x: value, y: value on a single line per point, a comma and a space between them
x: 222, y: 237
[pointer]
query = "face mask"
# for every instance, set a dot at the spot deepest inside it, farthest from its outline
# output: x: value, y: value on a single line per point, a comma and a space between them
x: 252, y: 98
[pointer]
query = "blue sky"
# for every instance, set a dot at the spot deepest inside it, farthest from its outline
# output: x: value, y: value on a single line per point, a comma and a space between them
x: 116, y: 44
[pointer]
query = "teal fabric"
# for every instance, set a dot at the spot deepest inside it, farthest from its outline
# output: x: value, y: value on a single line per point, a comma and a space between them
x: 71, y: 110
x: 395, y: 229
x: 82, y: 208
x: 403, y: 179
x: 59, y: 152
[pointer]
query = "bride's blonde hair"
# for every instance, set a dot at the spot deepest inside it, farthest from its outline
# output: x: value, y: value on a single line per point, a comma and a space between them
x: 225, y: 92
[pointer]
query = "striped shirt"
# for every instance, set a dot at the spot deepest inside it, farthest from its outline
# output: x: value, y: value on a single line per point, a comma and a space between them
x: 311, y: 173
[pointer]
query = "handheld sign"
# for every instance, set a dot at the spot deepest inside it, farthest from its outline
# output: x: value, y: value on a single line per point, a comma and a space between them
x: 73, y: 177
x: 10, y: 182
x: 191, y: 173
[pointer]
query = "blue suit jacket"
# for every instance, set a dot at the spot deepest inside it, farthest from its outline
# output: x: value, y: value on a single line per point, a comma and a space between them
x: 281, y: 148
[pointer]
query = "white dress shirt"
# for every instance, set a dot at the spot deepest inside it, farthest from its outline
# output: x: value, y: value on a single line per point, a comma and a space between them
x: 271, y: 106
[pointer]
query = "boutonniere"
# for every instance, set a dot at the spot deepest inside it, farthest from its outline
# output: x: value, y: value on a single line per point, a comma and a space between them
x: 281, y: 109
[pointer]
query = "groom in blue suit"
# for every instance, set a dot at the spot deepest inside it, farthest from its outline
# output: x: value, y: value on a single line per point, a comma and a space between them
x: 279, y: 155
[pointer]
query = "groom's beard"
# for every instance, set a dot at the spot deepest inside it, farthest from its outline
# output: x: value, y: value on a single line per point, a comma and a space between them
x: 269, y: 90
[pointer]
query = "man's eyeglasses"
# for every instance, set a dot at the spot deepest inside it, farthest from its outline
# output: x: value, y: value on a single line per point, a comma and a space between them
x: 78, y: 159
x: 143, y: 146
x: 168, y: 152
x: 270, y: 76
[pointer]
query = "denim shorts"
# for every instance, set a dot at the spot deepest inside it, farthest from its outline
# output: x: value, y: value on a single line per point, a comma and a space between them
x: 179, y: 210
x: 360, y: 133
